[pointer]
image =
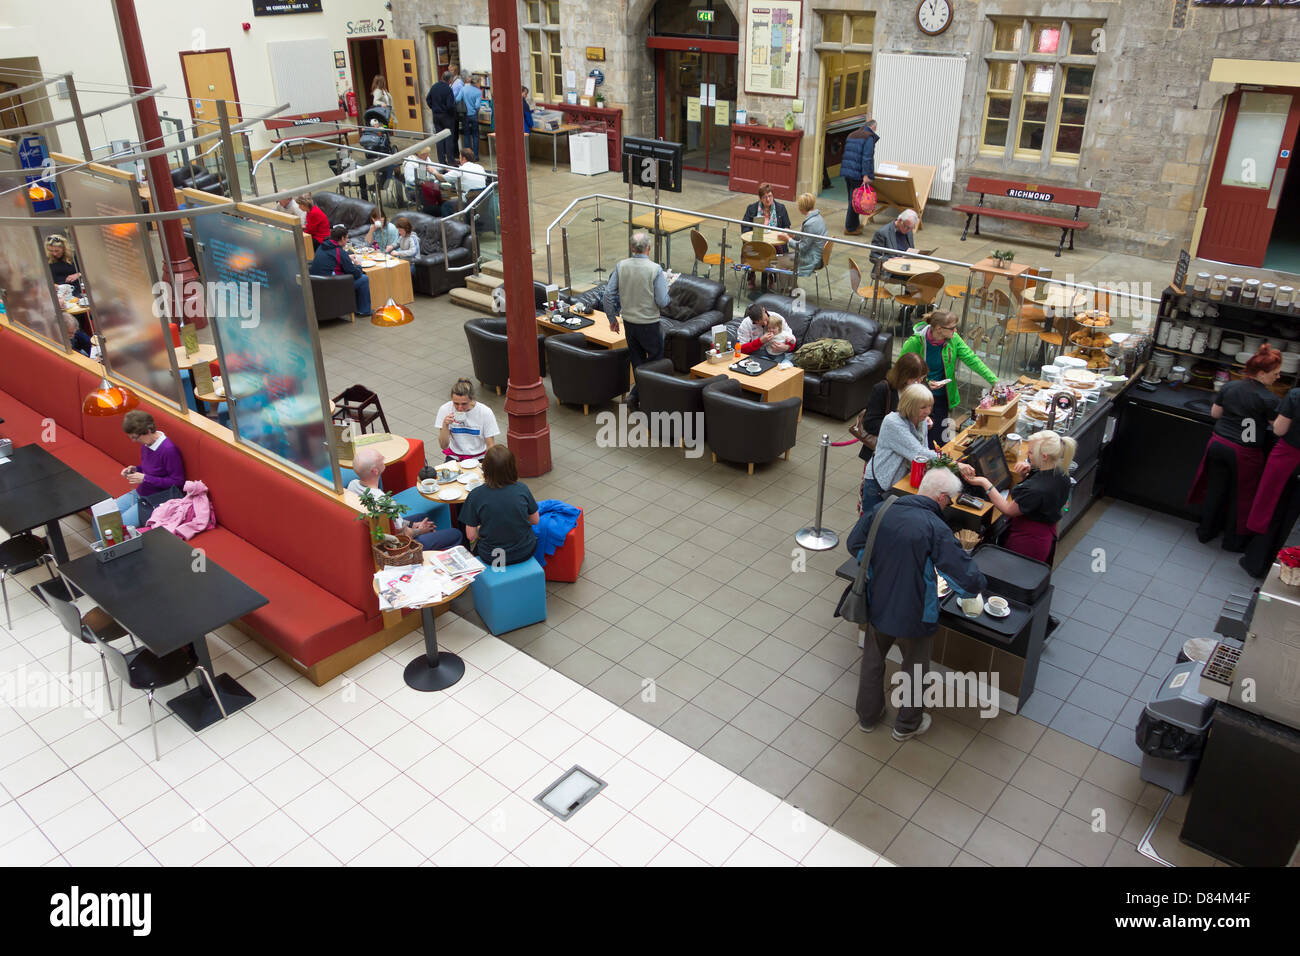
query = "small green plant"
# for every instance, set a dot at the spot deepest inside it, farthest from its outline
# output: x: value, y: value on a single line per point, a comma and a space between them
x: 943, y: 461
x: 1003, y: 255
x: 379, y: 506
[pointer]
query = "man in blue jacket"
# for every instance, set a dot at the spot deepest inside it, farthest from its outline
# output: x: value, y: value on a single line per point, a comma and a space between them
x: 912, y: 543
x: 858, y: 166
x: 331, y: 260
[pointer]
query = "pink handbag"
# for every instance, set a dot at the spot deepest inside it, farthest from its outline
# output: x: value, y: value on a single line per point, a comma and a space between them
x: 864, y: 200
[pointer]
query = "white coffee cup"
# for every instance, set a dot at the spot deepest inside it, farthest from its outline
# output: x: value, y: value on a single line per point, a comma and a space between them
x: 998, y: 605
x: 458, y: 418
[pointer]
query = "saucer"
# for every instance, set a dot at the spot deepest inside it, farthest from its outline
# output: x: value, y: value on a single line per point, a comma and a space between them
x: 450, y: 493
x: 992, y: 613
x: 427, y: 486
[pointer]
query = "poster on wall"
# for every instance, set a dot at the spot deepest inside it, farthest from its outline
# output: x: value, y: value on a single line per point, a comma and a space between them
x: 271, y: 8
x: 270, y: 355
x: 25, y: 286
x: 772, y: 47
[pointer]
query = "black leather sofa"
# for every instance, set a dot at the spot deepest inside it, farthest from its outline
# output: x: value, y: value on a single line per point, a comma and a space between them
x: 695, y: 305
x: 743, y: 430
x: 431, y: 275
x: 585, y: 374
x: 840, y: 393
x: 490, y: 355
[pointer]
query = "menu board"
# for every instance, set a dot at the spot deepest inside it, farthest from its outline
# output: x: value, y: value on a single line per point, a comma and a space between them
x: 25, y: 284
x: 270, y: 353
x: 117, y: 262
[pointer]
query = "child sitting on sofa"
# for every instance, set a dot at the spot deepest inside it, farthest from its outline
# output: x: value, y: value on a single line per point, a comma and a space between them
x: 761, y: 330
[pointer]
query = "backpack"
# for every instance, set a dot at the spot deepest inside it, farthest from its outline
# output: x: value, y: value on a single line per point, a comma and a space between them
x: 823, y: 355
x: 864, y: 200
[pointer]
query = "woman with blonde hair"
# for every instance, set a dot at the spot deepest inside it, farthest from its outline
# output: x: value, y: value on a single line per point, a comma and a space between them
x: 805, y: 255
x: 903, y: 437
x: 1035, y: 505
x: 63, y: 268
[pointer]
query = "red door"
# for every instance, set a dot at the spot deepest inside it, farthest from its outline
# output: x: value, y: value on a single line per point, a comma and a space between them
x: 1255, y: 146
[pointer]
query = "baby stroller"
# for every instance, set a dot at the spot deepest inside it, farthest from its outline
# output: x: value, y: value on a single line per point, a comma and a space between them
x: 377, y: 122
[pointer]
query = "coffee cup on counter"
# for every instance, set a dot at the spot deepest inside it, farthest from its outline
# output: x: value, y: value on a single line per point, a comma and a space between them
x: 998, y: 605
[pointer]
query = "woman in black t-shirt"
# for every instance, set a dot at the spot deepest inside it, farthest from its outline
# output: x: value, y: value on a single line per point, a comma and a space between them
x: 499, y: 515
x: 1242, y: 411
x: 884, y: 399
x: 1035, y: 505
x: 1276, y: 507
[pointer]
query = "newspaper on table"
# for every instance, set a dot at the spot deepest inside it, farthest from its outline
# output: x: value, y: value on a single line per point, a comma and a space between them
x: 459, y: 564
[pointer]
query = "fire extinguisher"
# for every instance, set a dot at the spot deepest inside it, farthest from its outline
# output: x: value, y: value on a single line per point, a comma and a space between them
x: 351, y: 98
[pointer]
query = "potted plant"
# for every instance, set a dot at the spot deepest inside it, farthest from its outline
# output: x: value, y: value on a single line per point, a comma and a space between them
x: 600, y: 99
x: 1003, y: 255
x: 943, y: 461
x: 390, y: 550
x: 789, y: 120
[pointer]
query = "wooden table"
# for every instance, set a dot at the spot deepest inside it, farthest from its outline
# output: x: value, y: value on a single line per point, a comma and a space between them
x: 206, y: 353
x: 392, y: 447
x: 555, y: 134
x: 1063, y: 299
x: 597, y: 334
x: 669, y: 223
x: 989, y: 269
x: 389, y: 280
x: 909, y: 188
x: 774, y: 385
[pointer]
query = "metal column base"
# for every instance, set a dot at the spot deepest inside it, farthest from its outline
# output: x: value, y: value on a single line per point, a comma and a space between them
x: 817, y: 539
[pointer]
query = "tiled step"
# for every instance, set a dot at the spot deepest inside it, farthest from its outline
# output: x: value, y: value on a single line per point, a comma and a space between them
x: 494, y: 267
x: 478, y: 301
x: 483, y: 283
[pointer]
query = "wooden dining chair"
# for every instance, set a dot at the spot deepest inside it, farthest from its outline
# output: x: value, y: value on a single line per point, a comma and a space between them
x: 864, y: 289
x: 702, y: 255
x: 921, y: 292
x: 755, y: 258
x: 822, y: 271
x: 1014, y: 328
x: 1021, y: 287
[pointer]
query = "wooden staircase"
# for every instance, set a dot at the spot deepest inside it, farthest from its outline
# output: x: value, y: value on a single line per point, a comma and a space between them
x: 477, y: 294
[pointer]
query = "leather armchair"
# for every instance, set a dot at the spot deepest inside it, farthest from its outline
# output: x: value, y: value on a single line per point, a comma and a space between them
x: 740, y: 429
x: 334, y: 297
x: 585, y: 374
x: 490, y: 355
x: 660, y: 390
x: 843, y: 392
x: 347, y: 211
x: 695, y: 305
x: 432, y: 275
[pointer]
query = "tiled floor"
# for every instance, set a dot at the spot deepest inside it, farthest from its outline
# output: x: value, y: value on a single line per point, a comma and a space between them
x: 697, y: 626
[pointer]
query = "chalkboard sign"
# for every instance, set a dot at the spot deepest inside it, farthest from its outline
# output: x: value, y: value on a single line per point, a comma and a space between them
x: 1180, y: 272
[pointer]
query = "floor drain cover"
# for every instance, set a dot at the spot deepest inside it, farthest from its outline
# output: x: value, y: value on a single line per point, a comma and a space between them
x: 570, y: 793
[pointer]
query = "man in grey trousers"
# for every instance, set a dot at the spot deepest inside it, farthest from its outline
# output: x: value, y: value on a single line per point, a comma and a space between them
x: 640, y: 287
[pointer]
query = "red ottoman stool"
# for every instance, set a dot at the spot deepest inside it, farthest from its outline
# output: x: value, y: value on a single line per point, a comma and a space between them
x: 566, y: 562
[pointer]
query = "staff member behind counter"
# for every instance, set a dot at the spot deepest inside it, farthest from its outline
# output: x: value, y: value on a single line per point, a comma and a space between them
x: 1276, y: 507
x: 1035, y: 505
x: 1234, y: 454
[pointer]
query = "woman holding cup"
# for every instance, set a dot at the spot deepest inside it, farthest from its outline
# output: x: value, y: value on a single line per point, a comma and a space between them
x: 466, y: 428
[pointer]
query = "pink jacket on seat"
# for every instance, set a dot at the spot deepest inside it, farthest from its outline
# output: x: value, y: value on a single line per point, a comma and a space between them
x: 185, y: 517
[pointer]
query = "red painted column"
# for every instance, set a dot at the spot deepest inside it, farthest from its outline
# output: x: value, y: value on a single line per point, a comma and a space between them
x: 528, y: 434
x: 163, y: 196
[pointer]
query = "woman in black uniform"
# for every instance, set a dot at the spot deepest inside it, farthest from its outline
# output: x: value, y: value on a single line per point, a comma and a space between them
x: 1233, y: 461
x: 1277, y: 500
x: 1035, y: 505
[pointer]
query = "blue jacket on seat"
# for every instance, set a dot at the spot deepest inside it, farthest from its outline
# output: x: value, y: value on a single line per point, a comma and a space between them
x: 859, y: 157
x: 913, y: 541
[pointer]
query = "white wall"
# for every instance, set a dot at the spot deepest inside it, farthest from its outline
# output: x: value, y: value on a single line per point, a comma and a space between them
x: 89, y: 49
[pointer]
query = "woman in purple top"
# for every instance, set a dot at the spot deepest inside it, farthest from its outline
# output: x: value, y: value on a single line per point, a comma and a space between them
x: 161, y: 475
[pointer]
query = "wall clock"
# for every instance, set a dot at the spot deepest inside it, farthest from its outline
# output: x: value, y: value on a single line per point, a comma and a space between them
x: 934, y: 16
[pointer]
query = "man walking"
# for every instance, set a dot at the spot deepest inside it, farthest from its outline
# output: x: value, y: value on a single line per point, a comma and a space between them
x: 858, y: 167
x: 642, y: 289
x: 903, y: 598
x: 442, y: 105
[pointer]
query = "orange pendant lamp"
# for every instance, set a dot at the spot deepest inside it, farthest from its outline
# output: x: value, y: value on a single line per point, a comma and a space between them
x: 392, y: 315
x: 108, y: 399
x: 38, y: 193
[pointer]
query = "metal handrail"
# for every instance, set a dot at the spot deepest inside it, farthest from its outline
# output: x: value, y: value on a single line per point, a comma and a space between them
x: 851, y: 243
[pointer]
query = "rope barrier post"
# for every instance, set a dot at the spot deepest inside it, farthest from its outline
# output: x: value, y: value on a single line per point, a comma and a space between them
x: 818, y: 538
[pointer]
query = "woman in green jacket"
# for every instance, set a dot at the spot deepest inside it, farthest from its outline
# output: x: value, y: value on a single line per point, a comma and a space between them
x: 937, y: 342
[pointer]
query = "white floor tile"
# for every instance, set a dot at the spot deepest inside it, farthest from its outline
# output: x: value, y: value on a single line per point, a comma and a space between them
x: 667, y: 809
x: 628, y: 784
x: 755, y: 853
x: 630, y: 842
x: 660, y: 754
x: 621, y: 731
x: 791, y: 831
x: 187, y: 845
x: 744, y: 804
x: 351, y: 833
x: 551, y: 736
x: 307, y: 853
x: 585, y: 709
x: 551, y: 690
x: 304, y: 729
x: 389, y: 850
x: 711, y: 837
x: 407, y: 746
x: 479, y: 741
x: 513, y: 765
x: 432, y: 827
x: 472, y: 847
x: 288, y: 781
x: 240, y: 811
x: 30, y: 849
x: 32, y: 771
x: 482, y: 694
x: 675, y: 855
x: 398, y: 799
x: 320, y: 806
x: 133, y: 791
x: 440, y: 770
x: 267, y: 841
x: 334, y: 751
x: 209, y: 787
x: 701, y: 778
x: 512, y: 821
x: 519, y: 671
x: 226, y: 856
x: 259, y: 757
x: 474, y: 794
x: 111, y: 846
x: 551, y: 845
x: 516, y: 715
x: 77, y: 823
x: 159, y: 817
x: 375, y: 724
x: 835, y: 849
x: 363, y: 775
x: 594, y: 857
x: 108, y: 766
x: 50, y: 799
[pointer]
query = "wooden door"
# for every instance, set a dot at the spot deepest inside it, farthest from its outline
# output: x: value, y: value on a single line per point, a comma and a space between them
x: 12, y: 113
x: 1249, y: 169
x: 403, y: 84
x: 210, y: 76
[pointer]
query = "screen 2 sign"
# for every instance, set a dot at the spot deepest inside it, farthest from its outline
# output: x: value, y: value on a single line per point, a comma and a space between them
x: 358, y: 27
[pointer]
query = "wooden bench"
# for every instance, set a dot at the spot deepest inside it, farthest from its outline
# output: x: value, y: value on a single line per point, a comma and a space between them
x: 1078, y: 198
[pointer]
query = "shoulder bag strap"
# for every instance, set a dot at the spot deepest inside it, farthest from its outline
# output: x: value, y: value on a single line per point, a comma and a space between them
x: 859, y: 583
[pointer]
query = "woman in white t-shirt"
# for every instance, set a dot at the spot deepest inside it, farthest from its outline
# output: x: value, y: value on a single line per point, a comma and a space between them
x: 466, y: 428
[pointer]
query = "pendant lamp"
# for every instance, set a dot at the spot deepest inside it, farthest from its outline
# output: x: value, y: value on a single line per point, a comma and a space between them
x: 392, y: 315
x: 109, y: 398
x: 38, y: 193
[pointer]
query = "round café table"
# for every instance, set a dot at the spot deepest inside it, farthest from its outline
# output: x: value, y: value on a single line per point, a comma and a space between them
x: 392, y: 447
x: 1061, y: 299
x: 206, y: 353
x: 907, y: 266
x: 464, y: 490
x: 434, y: 669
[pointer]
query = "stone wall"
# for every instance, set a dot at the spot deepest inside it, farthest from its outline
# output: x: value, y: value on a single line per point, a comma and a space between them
x: 1152, y: 122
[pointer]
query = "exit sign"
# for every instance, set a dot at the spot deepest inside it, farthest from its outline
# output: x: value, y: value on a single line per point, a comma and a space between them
x: 704, y: 16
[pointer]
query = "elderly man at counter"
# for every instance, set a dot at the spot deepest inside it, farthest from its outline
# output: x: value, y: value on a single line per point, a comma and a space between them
x: 903, y: 597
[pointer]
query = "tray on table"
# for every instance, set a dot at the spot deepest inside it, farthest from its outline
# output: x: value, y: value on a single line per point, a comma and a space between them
x: 1008, y: 627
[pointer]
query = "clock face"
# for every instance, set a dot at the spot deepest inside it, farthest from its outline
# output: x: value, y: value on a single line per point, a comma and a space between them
x: 934, y: 16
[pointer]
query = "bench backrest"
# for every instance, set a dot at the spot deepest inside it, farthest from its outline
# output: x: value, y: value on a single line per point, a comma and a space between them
x: 1064, y: 195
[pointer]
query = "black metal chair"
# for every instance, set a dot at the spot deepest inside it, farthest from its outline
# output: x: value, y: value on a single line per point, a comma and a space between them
x: 490, y: 355
x: 21, y: 553
x: 359, y: 404
x: 87, y: 628
x: 141, y: 669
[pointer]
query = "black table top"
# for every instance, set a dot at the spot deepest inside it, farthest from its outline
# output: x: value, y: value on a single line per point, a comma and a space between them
x: 27, y: 464
x: 158, y: 595
x: 49, y: 498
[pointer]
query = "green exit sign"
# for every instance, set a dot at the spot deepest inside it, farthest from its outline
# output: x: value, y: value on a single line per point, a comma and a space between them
x: 704, y: 16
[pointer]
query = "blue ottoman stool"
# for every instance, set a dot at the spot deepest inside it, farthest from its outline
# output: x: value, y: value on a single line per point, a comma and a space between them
x: 511, y: 598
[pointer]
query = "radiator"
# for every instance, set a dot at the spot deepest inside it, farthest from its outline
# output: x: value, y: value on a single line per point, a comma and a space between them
x: 917, y: 102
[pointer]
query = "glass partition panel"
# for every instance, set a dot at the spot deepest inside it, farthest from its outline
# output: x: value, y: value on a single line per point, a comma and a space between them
x: 118, y: 276
x: 25, y: 286
x: 266, y: 335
